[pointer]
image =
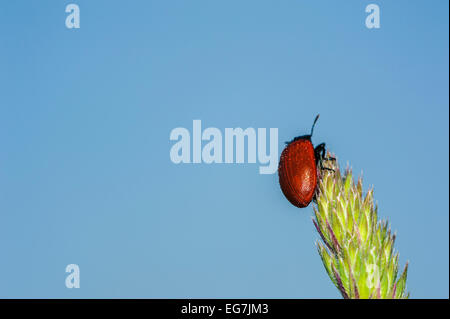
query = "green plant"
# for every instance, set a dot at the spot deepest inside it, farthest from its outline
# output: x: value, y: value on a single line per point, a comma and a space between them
x: 357, y: 250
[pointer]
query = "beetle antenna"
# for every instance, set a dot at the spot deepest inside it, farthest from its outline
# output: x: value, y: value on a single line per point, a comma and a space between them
x: 315, y: 120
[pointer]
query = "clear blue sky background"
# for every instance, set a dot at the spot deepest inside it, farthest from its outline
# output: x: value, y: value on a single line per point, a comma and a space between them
x: 85, y: 117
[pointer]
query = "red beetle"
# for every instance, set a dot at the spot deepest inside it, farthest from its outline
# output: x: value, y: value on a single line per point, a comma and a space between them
x: 297, y: 170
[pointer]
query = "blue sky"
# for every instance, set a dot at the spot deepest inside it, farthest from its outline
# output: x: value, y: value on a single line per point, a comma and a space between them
x: 85, y: 118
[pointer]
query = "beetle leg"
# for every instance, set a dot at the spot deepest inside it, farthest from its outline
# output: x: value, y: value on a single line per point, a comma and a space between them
x: 319, y: 152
